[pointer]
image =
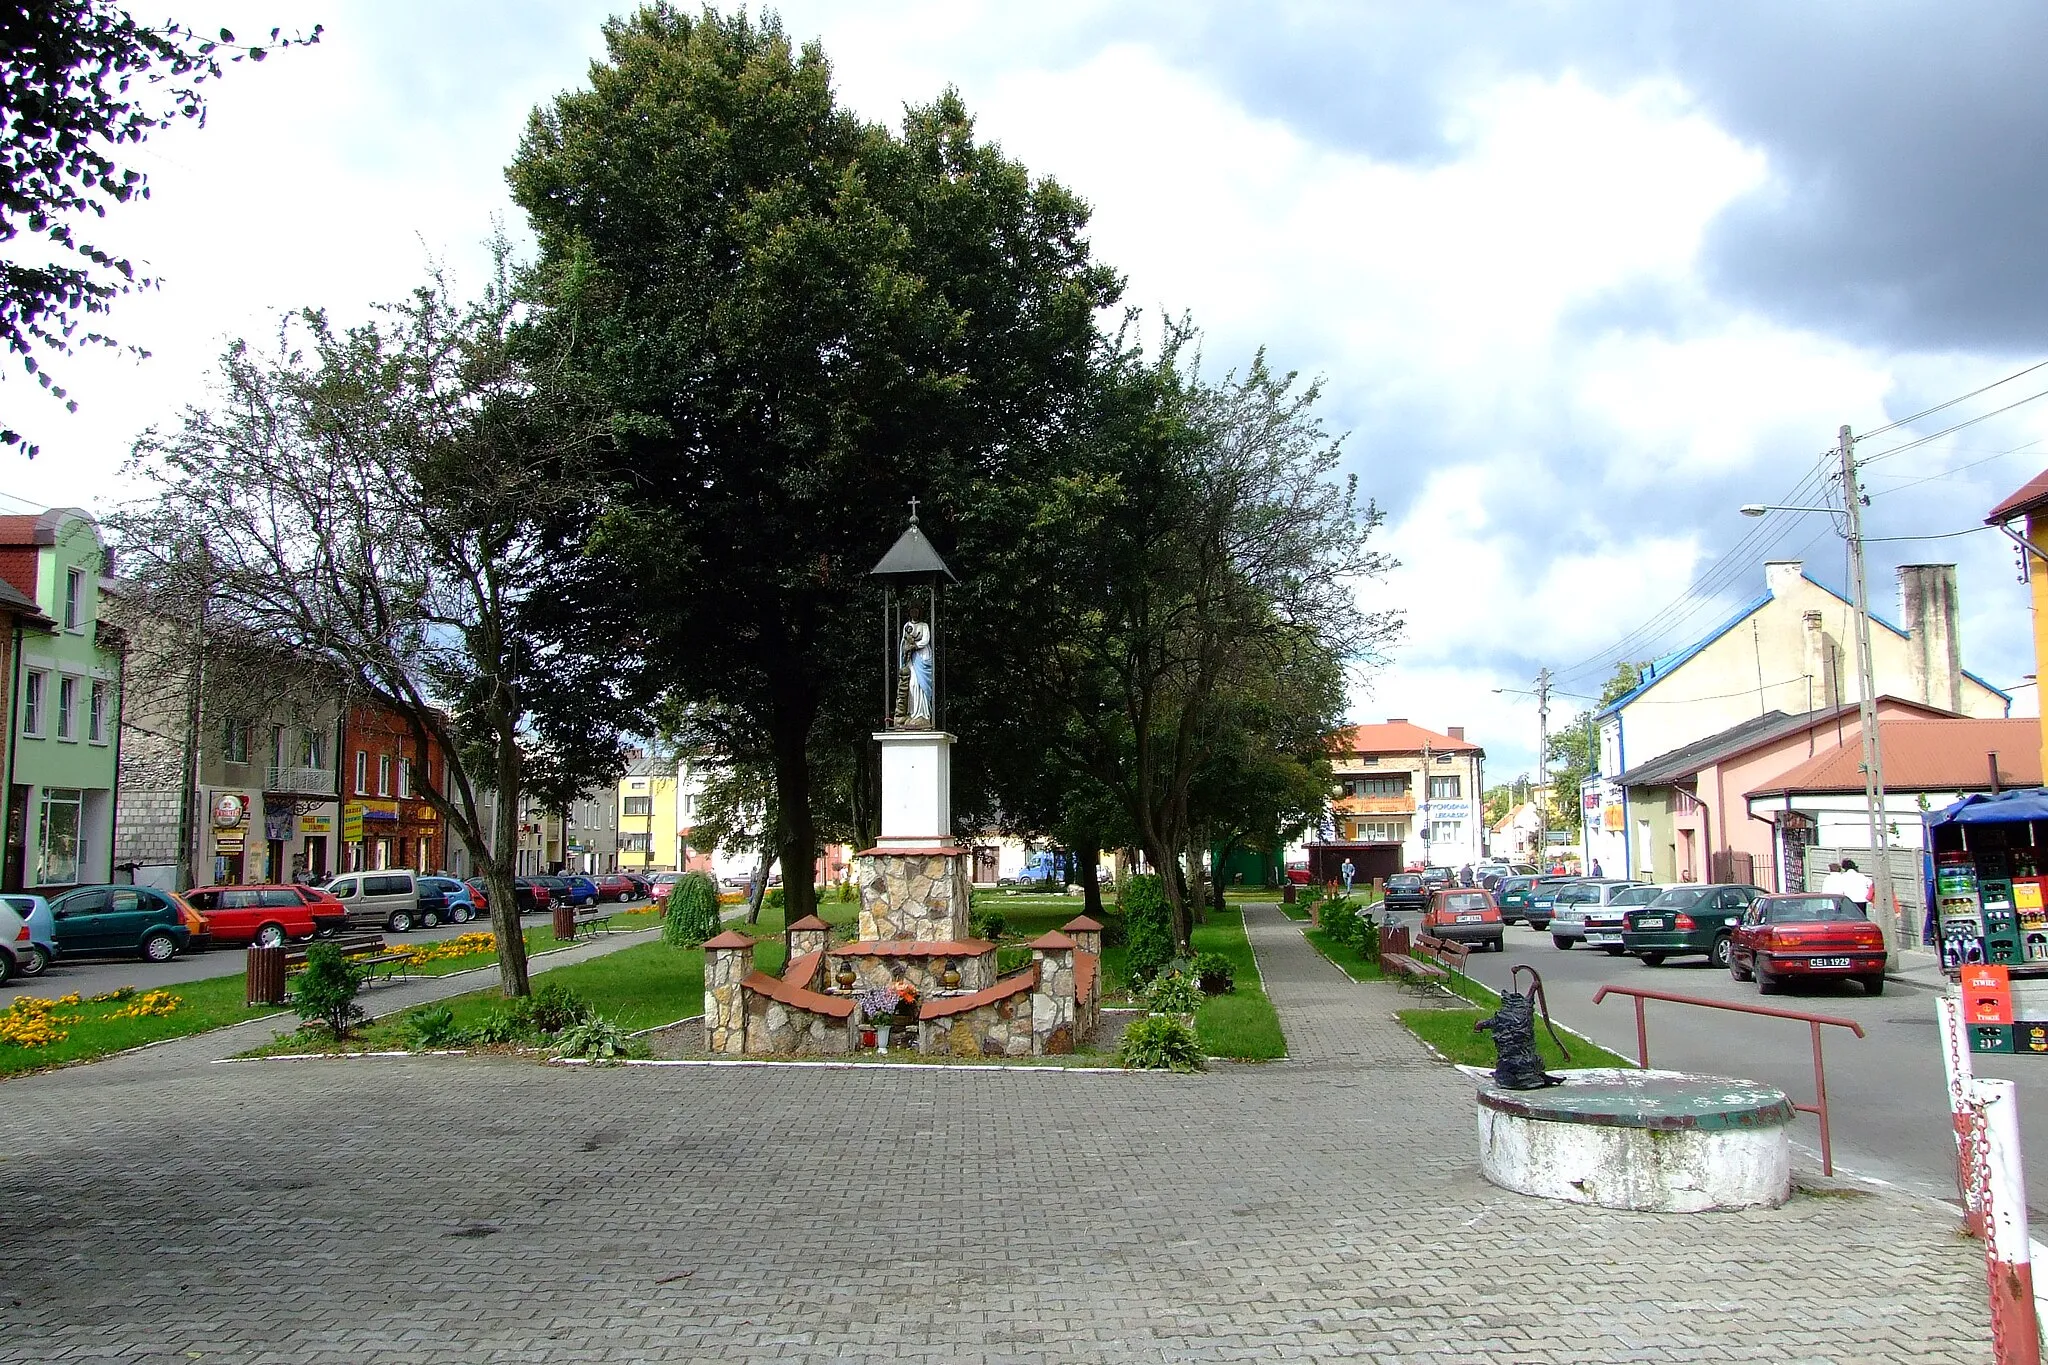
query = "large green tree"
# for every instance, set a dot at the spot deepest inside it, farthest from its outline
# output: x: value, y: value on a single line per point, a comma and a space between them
x: 792, y: 321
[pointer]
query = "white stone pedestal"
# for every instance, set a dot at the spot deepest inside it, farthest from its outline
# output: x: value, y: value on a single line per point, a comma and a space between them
x: 917, y: 789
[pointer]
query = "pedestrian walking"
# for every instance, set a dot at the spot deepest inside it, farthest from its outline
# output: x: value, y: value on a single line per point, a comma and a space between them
x: 1596, y: 868
x: 1831, y: 885
x: 1349, y: 870
x: 1855, y: 885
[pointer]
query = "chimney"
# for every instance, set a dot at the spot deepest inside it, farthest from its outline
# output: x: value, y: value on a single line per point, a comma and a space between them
x: 1457, y: 732
x: 1820, y: 675
x: 1782, y: 575
x: 1934, y: 653
x: 1397, y: 720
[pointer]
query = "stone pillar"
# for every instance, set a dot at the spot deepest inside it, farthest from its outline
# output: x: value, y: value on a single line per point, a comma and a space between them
x: 808, y: 935
x: 1052, y: 1001
x: 1085, y: 932
x: 921, y: 895
x: 728, y: 961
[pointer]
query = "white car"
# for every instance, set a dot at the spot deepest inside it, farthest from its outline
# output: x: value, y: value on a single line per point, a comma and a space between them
x: 1600, y: 923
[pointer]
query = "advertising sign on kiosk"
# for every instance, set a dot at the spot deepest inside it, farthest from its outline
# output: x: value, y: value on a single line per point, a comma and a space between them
x: 1987, y: 914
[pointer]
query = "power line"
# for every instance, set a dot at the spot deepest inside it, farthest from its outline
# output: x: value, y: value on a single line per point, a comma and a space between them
x: 1942, y: 407
x: 1948, y: 473
x: 1945, y: 535
x: 1936, y: 436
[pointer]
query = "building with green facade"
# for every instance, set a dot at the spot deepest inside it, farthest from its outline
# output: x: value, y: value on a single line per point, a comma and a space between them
x: 65, y: 685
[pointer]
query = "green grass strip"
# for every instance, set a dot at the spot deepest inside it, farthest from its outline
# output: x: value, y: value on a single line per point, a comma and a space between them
x: 202, y: 1005
x: 1242, y: 1024
x: 1353, y: 963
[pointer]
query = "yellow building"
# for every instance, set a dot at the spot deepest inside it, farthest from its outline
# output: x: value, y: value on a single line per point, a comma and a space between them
x: 2031, y: 502
x: 648, y: 838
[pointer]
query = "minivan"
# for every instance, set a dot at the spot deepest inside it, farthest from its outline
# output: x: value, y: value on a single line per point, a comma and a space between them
x: 387, y: 899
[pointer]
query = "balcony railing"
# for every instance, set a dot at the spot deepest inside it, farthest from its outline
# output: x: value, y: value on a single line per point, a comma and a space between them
x: 302, y: 780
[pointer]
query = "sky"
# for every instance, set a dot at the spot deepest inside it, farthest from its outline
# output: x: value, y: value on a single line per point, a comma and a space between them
x: 1579, y: 279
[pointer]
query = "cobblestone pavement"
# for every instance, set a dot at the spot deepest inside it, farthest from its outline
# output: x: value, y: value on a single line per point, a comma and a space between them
x: 1328, y: 1207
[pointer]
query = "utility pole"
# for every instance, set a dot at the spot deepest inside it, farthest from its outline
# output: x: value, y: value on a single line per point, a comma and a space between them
x: 1543, y: 751
x: 1873, y: 752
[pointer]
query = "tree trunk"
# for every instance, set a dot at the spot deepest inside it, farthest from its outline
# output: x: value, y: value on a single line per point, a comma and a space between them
x: 794, y: 837
x: 497, y: 865
x: 757, y: 889
x: 1198, y: 882
x: 1090, y: 876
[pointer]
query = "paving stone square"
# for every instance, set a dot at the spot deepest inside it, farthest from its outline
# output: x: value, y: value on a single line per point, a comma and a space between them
x: 162, y: 1207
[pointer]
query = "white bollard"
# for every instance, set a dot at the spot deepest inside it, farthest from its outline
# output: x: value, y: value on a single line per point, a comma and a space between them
x: 2008, y: 1257
x: 1955, y: 1058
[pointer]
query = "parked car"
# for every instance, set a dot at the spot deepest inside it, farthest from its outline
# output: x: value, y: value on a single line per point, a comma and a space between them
x: 616, y: 886
x: 1436, y: 878
x: 269, y: 916
x: 642, y: 887
x: 577, y: 891
x: 661, y: 883
x: 17, y: 950
x: 458, y: 901
x: 1806, y: 937
x: 1543, y: 901
x: 114, y: 920
x: 42, y: 933
x: 479, y: 895
x: 532, y: 896
x: 391, y: 899
x: 1465, y: 915
x: 1568, y: 910
x: 1405, y: 891
x: 1296, y: 873
x: 1687, y: 921
x: 1513, y: 897
x: 1604, y: 923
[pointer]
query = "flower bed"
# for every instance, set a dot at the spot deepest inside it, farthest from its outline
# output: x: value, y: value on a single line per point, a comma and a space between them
x: 32, y: 1022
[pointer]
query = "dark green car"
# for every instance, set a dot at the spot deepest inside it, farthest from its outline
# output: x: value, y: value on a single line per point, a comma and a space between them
x: 1513, y: 895
x: 1687, y: 921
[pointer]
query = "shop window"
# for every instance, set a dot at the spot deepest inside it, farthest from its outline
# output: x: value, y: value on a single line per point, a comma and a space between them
x: 58, y: 846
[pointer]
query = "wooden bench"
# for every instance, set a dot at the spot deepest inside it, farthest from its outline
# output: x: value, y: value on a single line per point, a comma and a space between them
x: 1447, y: 955
x: 1412, y: 967
x: 594, y: 918
x: 365, y: 950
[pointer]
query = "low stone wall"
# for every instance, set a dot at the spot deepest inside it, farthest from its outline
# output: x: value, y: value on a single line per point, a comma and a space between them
x: 773, y: 1026
x: 1001, y: 1028
x: 873, y: 965
x: 728, y: 961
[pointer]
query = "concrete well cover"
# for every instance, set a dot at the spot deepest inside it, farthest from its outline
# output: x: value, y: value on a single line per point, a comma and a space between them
x: 1647, y: 1099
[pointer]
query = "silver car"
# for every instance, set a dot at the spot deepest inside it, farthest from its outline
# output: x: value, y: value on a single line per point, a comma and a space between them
x: 1603, y: 922
x: 1580, y: 904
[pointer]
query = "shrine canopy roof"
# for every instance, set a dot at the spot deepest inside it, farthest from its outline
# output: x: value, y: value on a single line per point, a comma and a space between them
x: 912, y: 556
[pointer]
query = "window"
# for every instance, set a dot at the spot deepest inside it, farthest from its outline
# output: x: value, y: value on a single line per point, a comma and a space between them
x: 383, y: 774
x: 1393, y: 785
x: 362, y: 772
x: 234, y: 741
x: 96, y: 713
x: 405, y: 777
x: 635, y: 843
x: 1445, y: 788
x: 639, y: 805
x: 67, y: 695
x: 1383, y: 832
x: 312, y: 749
x: 74, y: 599
x: 58, y: 846
x: 32, y: 704
x: 1447, y: 831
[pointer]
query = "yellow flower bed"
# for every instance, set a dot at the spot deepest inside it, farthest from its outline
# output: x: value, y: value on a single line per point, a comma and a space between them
x: 33, y: 1022
x: 462, y: 945
x: 147, y: 1004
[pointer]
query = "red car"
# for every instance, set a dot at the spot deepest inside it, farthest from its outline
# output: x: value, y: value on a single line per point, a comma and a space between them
x: 1806, y: 937
x: 615, y: 886
x: 1465, y: 915
x: 266, y: 915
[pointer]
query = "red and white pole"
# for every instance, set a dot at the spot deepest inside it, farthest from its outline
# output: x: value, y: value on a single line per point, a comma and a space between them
x: 2008, y: 1259
x: 1955, y: 1057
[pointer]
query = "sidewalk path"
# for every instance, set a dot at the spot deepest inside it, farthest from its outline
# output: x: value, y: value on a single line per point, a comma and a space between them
x: 1327, y: 1207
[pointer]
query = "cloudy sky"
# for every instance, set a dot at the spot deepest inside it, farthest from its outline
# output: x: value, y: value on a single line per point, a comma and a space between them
x: 1581, y: 279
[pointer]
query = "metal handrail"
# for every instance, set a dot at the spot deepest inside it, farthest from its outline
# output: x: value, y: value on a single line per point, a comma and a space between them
x: 1812, y: 1021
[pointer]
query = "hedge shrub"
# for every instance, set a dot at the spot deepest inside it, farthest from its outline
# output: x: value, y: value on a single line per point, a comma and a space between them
x: 1148, y: 929
x: 692, y: 912
x: 1160, y: 1042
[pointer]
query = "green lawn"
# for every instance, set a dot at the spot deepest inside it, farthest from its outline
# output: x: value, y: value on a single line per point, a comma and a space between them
x: 1450, y: 1032
x: 1244, y: 1023
x: 201, y: 1005
x: 1354, y: 964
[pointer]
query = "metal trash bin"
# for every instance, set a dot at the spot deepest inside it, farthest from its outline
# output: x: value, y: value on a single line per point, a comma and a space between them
x: 263, y: 976
x: 1287, y: 894
x: 565, y: 923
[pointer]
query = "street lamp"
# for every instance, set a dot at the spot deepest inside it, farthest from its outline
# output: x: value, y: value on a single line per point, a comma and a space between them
x: 1866, y: 708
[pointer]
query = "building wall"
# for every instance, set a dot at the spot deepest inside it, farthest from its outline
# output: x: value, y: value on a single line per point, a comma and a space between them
x: 61, y: 817
x: 2037, y: 587
x: 1440, y: 830
x: 380, y: 827
x: 649, y: 836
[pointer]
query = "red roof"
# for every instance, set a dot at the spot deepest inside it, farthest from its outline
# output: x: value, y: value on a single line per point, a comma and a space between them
x: 1052, y: 940
x: 1080, y: 924
x: 731, y: 938
x: 1925, y: 756
x: 2031, y: 495
x: 943, y: 1006
x: 1399, y: 737
x: 38, y: 529
x: 801, y: 997
x: 810, y: 922
x: 916, y: 947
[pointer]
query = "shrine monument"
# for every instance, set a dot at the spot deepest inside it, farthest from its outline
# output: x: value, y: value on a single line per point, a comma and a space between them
x: 913, y: 952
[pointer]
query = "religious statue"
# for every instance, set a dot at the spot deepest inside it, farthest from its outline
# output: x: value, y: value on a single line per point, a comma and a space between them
x: 914, y: 673
x: 1517, y: 1064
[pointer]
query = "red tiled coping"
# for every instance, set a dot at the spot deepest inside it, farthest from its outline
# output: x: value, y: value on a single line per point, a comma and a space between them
x: 933, y: 850
x: 940, y: 1007
x: 911, y: 947
x: 801, y: 971
x: 809, y: 922
x: 1053, y: 940
x: 817, y: 1002
x: 1084, y: 974
x: 1080, y: 924
x: 731, y: 938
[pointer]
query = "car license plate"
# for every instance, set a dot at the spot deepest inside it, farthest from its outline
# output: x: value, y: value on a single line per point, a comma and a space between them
x: 1468, y: 919
x: 1649, y: 924
x: 1603, y: 938
x: 1827, y: 962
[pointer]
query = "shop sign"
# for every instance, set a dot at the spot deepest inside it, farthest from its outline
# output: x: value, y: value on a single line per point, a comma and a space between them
x: 316, y: 824
x: 1450, y: 810
x: 229, y: 808
x: 1612, y: 818
x: 352, y: 823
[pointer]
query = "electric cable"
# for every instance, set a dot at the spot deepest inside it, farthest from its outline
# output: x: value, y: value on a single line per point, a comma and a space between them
x: 1945, y: 431
x: 1942, y: 407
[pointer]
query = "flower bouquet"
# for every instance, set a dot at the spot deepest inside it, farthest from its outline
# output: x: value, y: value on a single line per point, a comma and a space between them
x: 883, y: 1007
